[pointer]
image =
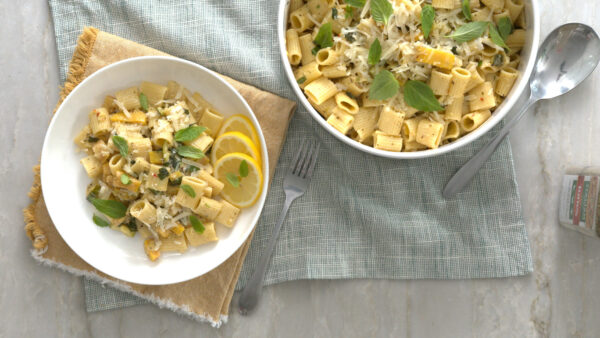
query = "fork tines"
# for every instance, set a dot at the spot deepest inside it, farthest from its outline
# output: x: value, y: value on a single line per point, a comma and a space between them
x: 305, y: 159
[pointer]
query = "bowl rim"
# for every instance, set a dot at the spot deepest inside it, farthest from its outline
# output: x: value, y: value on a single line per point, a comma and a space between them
x: 261, y: 199
x: 497, y: 116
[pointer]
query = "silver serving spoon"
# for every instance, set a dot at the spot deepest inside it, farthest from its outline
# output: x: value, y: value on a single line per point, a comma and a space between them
x: 567, y: 57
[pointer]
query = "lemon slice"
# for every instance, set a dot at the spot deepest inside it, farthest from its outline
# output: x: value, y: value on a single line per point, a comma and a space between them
x: 234, y: 142
x: 248, y: 188
x: 242, y: 124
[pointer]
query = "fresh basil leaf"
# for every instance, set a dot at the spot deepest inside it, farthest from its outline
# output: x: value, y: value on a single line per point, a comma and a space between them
x: 505, y: 27
x: 496, y: 38
x: 356, y: 3
x: 144, y: 102
x: 244, y: 169
x: 125, y: 179
x: 419, y: 95
x: 427, y: 17
x: 381, y: 10
x: 348, y: 12
x: 334, y: 13
x: 189, y: 134
x: 196, y: 224
x: 188, y: 190
x: 384, y: 86
x: 466, y: 9
x: 99, y: 221
x: 469, y: 32
x: 374, y: 53
x: 163, y: 173
x: 121, y: 144
x: 324, y: 37
x: 112, y: 209
x: 190, y: 152
x: 301, y: 80
x: 233, y: 179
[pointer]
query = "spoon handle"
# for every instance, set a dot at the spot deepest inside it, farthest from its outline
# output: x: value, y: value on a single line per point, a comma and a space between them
x: 465, y: 175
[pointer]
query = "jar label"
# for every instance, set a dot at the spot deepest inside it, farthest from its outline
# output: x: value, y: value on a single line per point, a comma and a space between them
x: 579, y: 203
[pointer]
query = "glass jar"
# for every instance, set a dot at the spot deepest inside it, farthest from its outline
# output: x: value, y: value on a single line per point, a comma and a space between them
x: 579, y: 205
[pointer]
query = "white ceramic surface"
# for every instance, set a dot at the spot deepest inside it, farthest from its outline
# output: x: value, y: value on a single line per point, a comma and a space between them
x: 64, y: 180
x: 528, y: 55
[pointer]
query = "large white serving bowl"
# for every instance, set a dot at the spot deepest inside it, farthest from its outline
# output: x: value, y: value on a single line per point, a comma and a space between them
x: 64, y: 181
x: 527, y: 62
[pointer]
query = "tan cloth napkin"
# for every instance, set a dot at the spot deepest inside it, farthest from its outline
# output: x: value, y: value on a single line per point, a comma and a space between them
x: 206, y: 297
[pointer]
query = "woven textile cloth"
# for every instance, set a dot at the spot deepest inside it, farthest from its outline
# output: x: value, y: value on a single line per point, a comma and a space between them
x: 363, y: 216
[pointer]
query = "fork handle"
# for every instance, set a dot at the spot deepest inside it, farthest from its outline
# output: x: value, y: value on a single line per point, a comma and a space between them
x: 250, y: 294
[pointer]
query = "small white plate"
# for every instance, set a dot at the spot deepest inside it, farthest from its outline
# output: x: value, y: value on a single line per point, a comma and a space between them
x: 64, y: 180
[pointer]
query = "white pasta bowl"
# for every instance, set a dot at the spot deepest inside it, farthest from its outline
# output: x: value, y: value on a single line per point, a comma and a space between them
x: 528, y: 56
x: 64, y: 180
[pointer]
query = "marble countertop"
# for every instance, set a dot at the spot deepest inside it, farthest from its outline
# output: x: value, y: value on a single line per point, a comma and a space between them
x: 559, y: 299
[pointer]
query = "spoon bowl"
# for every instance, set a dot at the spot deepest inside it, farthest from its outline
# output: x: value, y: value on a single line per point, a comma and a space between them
x: 567, y: 57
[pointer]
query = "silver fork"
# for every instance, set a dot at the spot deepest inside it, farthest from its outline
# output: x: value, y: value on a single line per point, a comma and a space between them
x: 294, y: 184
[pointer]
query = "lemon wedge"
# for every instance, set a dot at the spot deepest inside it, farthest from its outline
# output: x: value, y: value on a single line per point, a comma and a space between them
x: 242, y: 124
x: 234, y: 142
x: 242, y: 188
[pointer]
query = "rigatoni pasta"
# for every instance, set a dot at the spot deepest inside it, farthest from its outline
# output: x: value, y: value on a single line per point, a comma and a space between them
x: 359, y: 70
x: 146, y: 150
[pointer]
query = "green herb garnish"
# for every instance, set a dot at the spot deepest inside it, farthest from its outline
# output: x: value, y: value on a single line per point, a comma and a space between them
x: 188, y: 190
x: 155, y: 192
x: 176, y: 181
x: 131, y: 224
x: 301, y: 80
x: 356, y: 3
x: 121, y: 144
x: 496, y: 38
x: 163, y: 173
x: 144, y: 102
x: 189, y: 134
x: 125, y: 179
x: 196, y: 224
x: 99, y: 221
x: 191, y: 169
x: 374, y: 53
x: 334, y: 13
x: 244, y: 169
x: 469, y: 32
x: 324, y: 38
x: 348, y: 12
x: 427, y: 18
x: 93, y: 194
x: 419, y: 95
x: 381, y: 10
x: 92, y: 139
x: 111, y: 208
x: 233, y: 179
x: 186, y: 112
x: 384, y: 86
x: 190, y: 152
x: 466, y: 9
x: 350, y: 37
x: 505, y: 27
x: 498, y: 60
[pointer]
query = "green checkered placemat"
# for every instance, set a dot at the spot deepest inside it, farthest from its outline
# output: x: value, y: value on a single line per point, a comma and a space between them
x: 363, y: 216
